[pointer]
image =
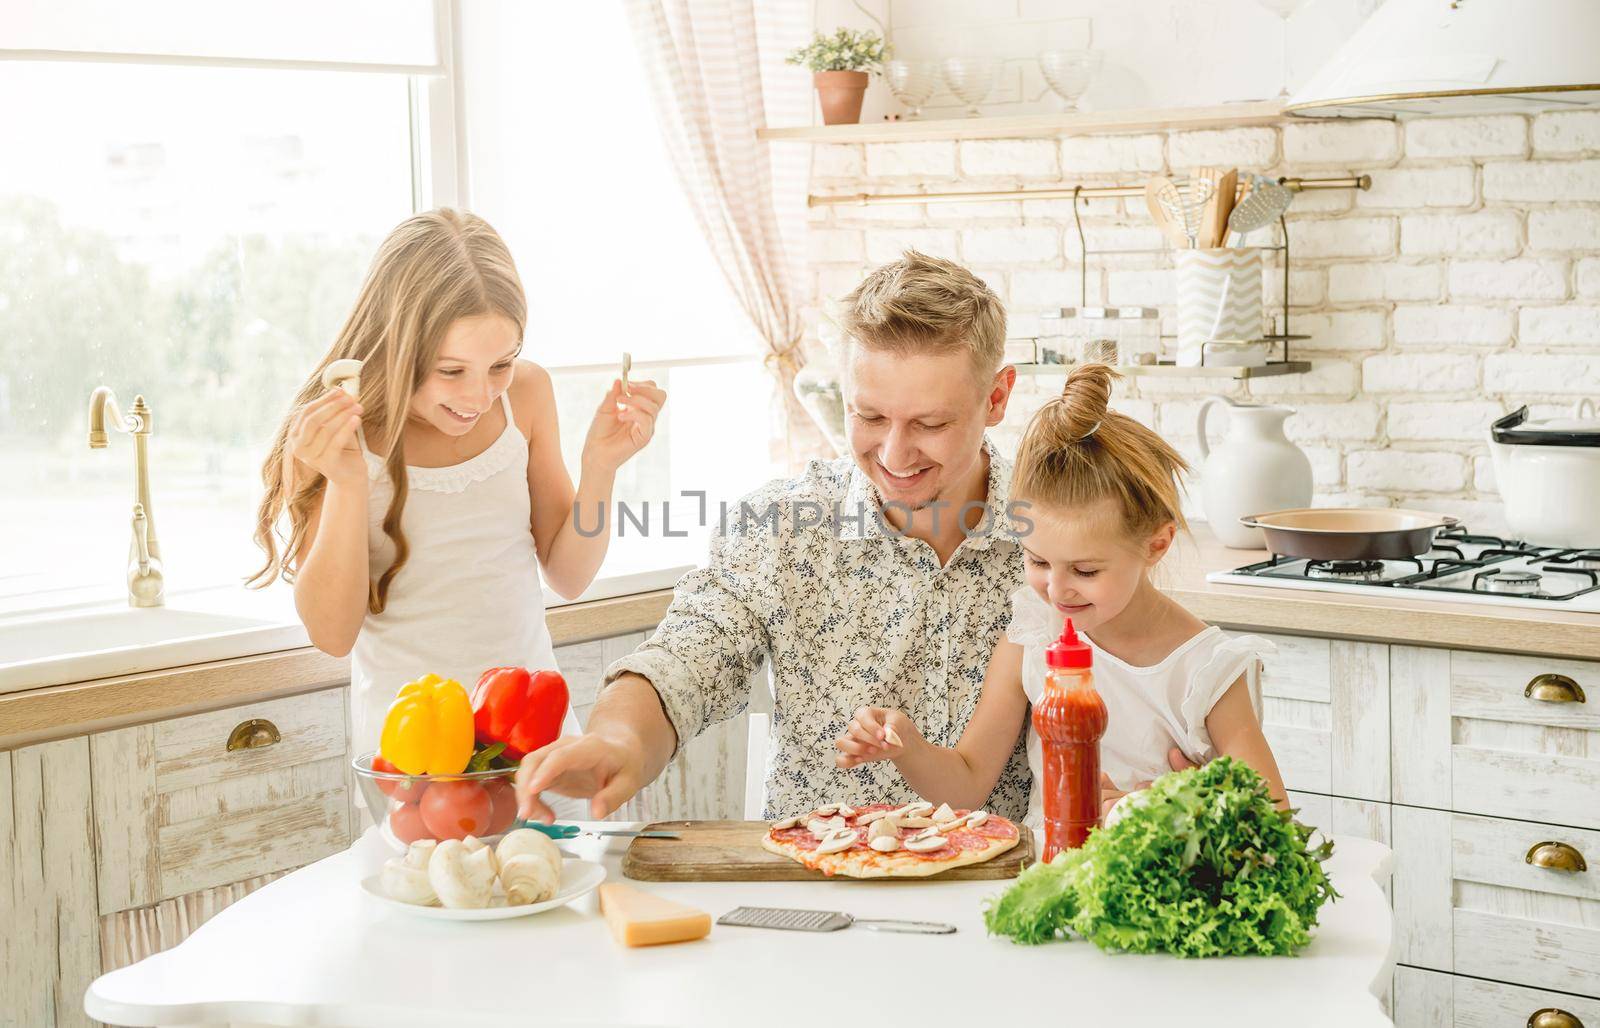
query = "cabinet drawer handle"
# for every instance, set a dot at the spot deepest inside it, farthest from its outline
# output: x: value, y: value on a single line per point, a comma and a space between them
x: 1550, y: 688
x: 1553, y: 1017
x: 1556, y: 856
x: 253, y: 734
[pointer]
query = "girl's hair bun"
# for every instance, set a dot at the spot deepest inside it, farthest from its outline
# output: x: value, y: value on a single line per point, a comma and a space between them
x: 1085, y: 398
x: 1078, y: 451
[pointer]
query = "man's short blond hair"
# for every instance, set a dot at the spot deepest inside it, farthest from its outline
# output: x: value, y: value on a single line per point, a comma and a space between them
x: 922, y: 304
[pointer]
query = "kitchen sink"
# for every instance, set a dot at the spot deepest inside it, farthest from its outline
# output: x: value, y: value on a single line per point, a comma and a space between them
x: 81, y: 644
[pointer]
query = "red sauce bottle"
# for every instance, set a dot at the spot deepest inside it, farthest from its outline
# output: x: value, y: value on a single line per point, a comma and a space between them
x: 1070, y: 719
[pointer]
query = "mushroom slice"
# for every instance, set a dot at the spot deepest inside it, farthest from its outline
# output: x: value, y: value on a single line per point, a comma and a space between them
x: 925, y: 843
x: 788, y: 822
x: 884, y: 828
x: 885, y: 843
x: 343, y: 374
x: 846, y: 811
x: 943, y: 814
x: 872, y: 816
x: 821, y: 827
x: 826, y: 810
x: 916, y: 822
x: 976, y: 818
x: 841, y: 839
x: 916, y: 808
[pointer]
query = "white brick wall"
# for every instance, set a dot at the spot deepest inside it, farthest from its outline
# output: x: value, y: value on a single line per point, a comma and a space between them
x: 1508, y: 280
x: 1247, y: 147
x: 1465, y: 283
x: 1084, y: 155
x: 1341, y: 143
x: 1485, y: 234
x: 1499, y: 136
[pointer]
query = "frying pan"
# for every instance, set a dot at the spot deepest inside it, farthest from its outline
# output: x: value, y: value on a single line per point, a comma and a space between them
x: 1349, y: 533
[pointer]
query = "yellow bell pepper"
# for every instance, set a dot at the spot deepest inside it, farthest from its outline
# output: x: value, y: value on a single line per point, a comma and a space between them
x: 428, y: 729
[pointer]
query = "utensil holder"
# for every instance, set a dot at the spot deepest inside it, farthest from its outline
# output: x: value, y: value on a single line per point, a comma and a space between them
x: 1201, y: 277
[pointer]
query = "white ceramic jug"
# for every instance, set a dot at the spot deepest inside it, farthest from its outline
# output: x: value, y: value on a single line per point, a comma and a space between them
x: 1255, y: 469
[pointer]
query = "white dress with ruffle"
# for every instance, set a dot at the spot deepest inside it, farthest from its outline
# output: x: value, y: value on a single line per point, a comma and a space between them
x: 1150, y: 709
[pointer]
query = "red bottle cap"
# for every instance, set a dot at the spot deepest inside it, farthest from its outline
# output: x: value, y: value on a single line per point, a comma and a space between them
x: 1068, y: 651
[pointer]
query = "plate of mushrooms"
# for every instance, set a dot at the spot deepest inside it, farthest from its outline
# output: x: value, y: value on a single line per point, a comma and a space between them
x: 469, y: 880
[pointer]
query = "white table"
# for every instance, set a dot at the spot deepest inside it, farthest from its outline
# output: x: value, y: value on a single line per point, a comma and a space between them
x: 313, y: 949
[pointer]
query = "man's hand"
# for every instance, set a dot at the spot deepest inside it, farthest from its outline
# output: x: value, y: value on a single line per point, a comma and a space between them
x: 1110, y: 794
x: 579, y: 765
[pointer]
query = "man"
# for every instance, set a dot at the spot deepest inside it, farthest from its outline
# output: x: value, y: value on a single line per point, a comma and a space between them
x: 881, y: 579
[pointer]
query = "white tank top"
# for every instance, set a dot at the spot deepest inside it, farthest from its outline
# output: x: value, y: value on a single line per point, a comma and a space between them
x: 469, y: 597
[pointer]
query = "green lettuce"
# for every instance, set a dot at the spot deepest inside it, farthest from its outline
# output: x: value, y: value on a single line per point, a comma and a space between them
x: 1204, y: 865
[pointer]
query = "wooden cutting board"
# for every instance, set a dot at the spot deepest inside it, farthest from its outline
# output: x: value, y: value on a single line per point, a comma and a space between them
x: 730, y: 851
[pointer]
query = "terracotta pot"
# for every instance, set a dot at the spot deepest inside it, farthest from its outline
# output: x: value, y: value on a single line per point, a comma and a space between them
x: 841, y: 93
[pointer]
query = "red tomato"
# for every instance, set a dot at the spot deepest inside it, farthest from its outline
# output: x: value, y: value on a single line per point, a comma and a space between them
x: 504, y: 799
x: 455, y: 810
x: 405, y: 821
x: 405, y: 792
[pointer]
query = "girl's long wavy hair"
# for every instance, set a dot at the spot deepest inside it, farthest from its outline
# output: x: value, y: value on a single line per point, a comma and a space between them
x: 1077, y: 451
x: 432, y: 270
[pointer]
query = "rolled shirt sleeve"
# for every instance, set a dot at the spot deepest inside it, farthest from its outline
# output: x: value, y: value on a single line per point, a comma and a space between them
x: 700, y: 658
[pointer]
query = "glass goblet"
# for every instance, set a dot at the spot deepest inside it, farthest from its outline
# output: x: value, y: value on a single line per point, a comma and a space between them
x: 970, y: 79
x: 912, y: 83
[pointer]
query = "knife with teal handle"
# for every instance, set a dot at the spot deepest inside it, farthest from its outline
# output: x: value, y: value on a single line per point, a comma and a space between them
x: 574, y: 831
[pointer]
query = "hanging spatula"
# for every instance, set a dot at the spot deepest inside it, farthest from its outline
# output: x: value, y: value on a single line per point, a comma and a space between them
x: 1214, y: 220
x: 1264, y: 204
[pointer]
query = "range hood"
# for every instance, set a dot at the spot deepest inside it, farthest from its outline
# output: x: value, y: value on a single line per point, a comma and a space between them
x: 1461, y: 57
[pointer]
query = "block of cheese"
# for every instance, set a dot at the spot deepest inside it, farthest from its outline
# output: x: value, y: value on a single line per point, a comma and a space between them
x: 640, y: 919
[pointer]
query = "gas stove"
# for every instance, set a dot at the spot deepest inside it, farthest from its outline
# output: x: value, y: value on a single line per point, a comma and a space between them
x: 1461, y: 567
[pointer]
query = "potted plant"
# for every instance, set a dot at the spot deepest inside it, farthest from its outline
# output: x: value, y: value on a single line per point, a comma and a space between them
x: 839, y: 65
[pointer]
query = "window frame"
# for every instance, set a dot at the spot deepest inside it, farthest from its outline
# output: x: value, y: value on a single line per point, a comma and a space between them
x: 439, y: 170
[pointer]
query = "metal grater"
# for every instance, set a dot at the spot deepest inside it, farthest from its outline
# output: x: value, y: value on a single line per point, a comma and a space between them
x: 823, y: 921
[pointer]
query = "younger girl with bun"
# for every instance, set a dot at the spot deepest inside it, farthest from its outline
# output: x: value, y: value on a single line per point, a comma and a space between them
x: 1102, y: 499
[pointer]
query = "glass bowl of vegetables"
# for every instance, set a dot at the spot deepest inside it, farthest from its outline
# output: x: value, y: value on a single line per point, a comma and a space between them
x: 411, y: 807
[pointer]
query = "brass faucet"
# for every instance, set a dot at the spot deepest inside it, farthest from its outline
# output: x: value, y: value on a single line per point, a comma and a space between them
x: 145, y: 585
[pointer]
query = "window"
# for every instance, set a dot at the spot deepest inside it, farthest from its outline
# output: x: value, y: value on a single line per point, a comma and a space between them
x: 565, y: 159
x: 194, y: 235
x: 188, y: 204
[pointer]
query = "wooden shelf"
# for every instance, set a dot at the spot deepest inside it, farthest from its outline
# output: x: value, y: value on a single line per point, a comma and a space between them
x: 1173, y: 371
x: 1022, y: 126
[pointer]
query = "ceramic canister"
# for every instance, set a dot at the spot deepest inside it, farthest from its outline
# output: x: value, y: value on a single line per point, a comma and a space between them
x: 1201, y: 278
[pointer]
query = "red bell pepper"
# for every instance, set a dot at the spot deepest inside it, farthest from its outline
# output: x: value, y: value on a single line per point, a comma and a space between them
x: 521, y: 709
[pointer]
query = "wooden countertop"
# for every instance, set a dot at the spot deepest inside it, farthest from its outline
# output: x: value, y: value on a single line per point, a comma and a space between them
x: 1542, y: 632
x: 63, y: 711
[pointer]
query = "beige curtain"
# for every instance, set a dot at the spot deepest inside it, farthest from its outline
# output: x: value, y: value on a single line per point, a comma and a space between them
x: 716, y: 75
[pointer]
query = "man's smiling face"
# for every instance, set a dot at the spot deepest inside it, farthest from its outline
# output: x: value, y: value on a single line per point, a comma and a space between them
x: 915, y: 422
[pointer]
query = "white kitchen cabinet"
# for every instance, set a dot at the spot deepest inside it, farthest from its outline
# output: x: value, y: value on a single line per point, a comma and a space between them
x: 177, y: 811
x: 1325, y: 710
x: 50, y: 942
x: 1468, y: 900
x: 1496, y: 761
x: 1469, y: 737
x: 1431, y: 999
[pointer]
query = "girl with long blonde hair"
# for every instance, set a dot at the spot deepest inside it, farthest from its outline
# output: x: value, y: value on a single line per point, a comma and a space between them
x: 420, y: 513
x: 1099, y: 492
